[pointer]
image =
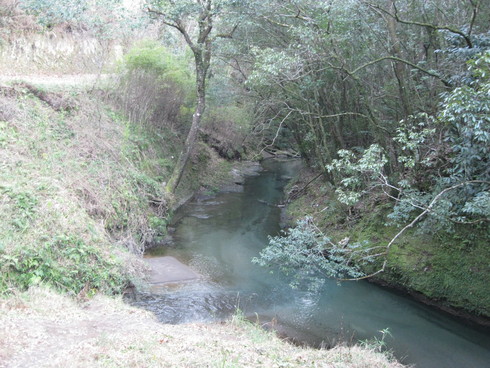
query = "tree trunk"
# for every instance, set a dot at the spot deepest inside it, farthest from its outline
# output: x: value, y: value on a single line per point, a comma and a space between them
x: 398, y: 68
x: 201, y: 48
x: 201, y: 71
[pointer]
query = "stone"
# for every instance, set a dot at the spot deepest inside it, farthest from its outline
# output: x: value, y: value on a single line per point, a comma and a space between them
x: 169, y: 270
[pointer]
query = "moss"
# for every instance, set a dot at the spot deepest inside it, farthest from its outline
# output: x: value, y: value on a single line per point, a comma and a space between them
x: 443, y: 270
x: 206, y: 172
x: 452, y: 269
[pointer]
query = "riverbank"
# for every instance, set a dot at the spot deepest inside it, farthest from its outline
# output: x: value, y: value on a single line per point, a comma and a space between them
x: 43, y: 328
x: 449, y: 272
x: 82, y: 187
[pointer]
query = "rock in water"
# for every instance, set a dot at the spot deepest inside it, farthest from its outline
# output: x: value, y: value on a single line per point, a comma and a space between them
x: 165, y: 270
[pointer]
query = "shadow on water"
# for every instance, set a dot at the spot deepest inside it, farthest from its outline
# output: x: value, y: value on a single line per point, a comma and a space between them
x: 219, y: 236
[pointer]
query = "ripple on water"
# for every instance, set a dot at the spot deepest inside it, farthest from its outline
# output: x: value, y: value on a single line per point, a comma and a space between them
x: 199, y: 302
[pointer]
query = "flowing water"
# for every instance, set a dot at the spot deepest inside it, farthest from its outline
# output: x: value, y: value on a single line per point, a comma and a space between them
x: 219, y: 236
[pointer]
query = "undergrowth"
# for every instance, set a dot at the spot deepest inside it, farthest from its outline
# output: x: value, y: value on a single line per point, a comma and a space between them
x: 82, y: 187
x: 64, y: 263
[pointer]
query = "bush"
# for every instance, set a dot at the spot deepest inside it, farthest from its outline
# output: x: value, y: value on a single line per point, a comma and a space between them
x: 156, y: 87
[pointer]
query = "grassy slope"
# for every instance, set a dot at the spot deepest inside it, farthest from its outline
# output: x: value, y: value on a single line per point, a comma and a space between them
x: 454, y: 271
x: 80, y: 186
x: 52, y: 331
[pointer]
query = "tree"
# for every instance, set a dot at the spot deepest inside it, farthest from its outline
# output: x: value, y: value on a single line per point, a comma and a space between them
x: 183, y: 15
x: 459, y: 194
x: 342, y: 74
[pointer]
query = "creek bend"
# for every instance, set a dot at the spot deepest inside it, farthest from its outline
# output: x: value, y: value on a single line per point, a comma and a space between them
x: 218, y: 237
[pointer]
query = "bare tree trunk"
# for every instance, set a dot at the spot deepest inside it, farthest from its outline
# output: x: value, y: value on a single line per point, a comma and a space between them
x: 189, y: 143
x: 398, y: 67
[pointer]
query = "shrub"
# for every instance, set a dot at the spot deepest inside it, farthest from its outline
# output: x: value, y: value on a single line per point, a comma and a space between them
x: 156, y: 87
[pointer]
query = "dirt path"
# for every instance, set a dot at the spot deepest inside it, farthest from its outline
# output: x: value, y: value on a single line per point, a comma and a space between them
x: 62, y: 81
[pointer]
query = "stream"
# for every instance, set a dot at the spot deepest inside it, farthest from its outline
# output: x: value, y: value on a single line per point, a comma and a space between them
x: 219, y: 236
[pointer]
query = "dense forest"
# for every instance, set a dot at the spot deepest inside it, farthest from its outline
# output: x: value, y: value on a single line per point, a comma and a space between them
x: 386, y: 102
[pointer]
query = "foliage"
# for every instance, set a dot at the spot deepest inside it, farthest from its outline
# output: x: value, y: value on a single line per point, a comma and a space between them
x: 65, y: 263
x: 414, y: 137
x: 307, y: 256
x: 152, y: 57
x: 466, y: 111
x: 54, y: 11
x: 463, y: 176
x: 105, y: 18
x: 162, y: 84
x: 358, y: 175
x: 336, y: 75
x: 442, y: 194
x: 464, y: 116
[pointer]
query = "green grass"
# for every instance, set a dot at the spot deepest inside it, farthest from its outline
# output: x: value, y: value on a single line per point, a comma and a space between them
x: 93, y: 177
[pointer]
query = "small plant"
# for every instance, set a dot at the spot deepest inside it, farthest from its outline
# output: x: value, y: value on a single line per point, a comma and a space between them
x: 378, y: 344
x: 24, y: 207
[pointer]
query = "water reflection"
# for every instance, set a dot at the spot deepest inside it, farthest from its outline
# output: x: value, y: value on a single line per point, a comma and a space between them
x: 218, y: 237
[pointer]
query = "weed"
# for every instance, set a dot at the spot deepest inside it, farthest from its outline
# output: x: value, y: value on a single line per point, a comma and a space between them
x: 377, y: 344
x: 24, y: 207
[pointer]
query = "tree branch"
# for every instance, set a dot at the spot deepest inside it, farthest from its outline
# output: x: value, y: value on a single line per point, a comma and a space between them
x: 277, y: 132
x: 174, y: 24
x: 412, y: 224
x: 227, y: 35
x: 394, y: 58
x: 422, y: 24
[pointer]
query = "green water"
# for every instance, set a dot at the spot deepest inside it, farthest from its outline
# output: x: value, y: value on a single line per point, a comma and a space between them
x: 219, y: 236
